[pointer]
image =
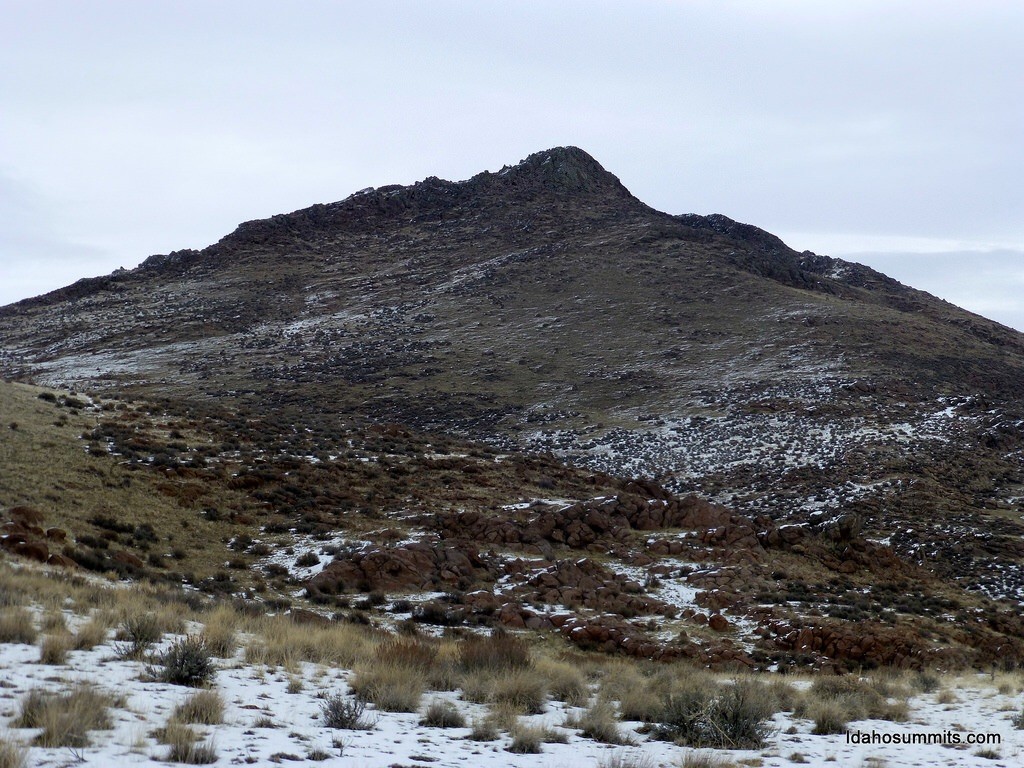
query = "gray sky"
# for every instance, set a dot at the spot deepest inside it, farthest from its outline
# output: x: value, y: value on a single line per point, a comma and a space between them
x: 888, y: 132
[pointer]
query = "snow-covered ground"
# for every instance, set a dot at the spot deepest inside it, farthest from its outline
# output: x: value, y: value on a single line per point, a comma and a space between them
x: 270, y: 719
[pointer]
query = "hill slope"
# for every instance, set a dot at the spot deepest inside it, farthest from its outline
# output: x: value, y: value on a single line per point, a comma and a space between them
x: 544, y: 308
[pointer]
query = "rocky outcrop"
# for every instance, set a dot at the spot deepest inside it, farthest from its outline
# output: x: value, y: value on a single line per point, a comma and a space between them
x: 589, y: 584
x: 406, y: 568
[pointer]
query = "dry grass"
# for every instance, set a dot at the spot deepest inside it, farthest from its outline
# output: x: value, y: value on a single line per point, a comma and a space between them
x: 829, y: 715
x: 624, y: 759
x: 600, y: 722
x: 54, y: 649
x: 565, y: 681
x: 137, y: 635
x: 442, y: 713
x: 13, y: 754
x: 443, y: 674
x: 526, y: 739
x: 483, y: 729
x: 280, y: 642
x: 496, y: 653
x: 184, y: 747
x: 201, y: 708
x: 92, y: 633
x: 702, y: 759
x: 395, y: 677
x: 220, y: 631
x: 858, y: 698
x: 17, y: 626
x: 54, y: 623
x: 525, y: 690
x: 65, y: 718
x: 389, y: 685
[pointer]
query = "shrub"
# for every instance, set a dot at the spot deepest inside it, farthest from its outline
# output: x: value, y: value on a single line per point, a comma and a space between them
x: 443, y: 714
x: 733, y: 717
x: 740, y: 715
x: 187, y: 662
x: 138, y: 634
x: 307, y: 560
x: 860, y: 699
x: 202, y: 707
x: 17, y: 626
x: 344, y: 713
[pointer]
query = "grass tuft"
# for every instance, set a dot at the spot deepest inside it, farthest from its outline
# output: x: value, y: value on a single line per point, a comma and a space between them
x: 65, y: 718
x: 54, y: 649
x: 526, y: 739
x: 17, y: 626
x: 13, y: 754
x: 443, y: 714
x: 201, y: 708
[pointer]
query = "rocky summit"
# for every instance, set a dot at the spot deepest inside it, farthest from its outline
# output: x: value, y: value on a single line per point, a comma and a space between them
x: 665, y: 435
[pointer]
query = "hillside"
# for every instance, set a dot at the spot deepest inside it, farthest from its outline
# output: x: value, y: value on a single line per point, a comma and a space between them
x: 530, y: 367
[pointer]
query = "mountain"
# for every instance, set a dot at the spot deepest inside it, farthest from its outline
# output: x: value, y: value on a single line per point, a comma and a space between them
x: 543, y: 309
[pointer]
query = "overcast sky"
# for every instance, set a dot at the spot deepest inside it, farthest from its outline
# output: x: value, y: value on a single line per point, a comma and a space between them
x: 890, y: 133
